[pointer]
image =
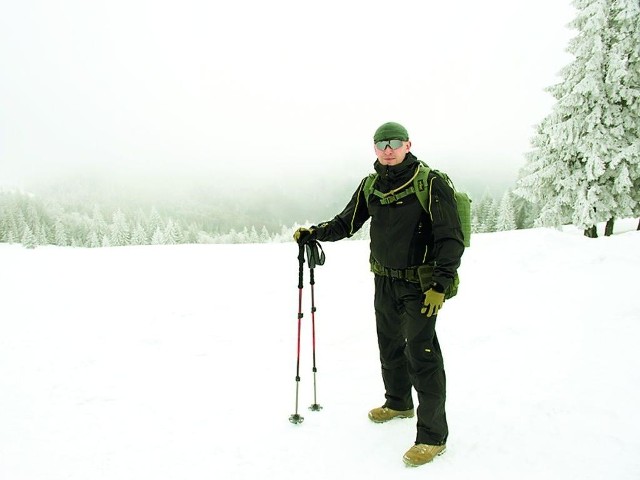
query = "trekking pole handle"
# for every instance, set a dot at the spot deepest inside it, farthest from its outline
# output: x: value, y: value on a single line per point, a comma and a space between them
x: 300, y: 265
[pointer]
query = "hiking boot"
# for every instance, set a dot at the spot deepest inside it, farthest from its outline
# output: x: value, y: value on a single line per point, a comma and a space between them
x: 422, y: 453
x: 384, y: 414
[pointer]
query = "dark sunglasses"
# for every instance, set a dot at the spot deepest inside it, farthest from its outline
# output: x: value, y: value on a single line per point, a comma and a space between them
x: 388, y: 143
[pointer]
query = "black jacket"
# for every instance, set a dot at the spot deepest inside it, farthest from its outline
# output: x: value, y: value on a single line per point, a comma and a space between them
x: 403, y: 234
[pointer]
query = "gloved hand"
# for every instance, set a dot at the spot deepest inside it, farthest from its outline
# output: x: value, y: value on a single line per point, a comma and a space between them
x: 433, y: 302
x: 304, y: 235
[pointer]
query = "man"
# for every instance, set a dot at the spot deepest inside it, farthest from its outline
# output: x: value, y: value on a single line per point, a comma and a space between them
x: 414, y: 256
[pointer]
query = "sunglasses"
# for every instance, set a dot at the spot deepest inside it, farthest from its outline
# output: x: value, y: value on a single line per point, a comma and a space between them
x: 388, y: 143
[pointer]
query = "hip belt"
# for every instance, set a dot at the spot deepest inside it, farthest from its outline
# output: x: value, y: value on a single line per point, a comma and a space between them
x: 408, y: 274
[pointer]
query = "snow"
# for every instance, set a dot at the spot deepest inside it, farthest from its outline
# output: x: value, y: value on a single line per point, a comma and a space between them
x: 178, y: 362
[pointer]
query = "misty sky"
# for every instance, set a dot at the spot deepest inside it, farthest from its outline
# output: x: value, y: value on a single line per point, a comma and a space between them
x: 222, y: 88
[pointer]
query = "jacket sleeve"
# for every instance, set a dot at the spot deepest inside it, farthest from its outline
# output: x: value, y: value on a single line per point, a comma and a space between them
x: 448, y: 240
x: 348, y: 222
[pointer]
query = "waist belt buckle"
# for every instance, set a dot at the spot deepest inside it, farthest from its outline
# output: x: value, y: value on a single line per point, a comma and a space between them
x: 399, y: 274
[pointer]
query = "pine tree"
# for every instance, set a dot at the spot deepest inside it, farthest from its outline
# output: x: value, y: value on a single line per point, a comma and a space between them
x: 265, y: 236
x: 485, y: 214
x: 120, y: 233
x: 191, y: 234
x: 506, y: 219
x: 98, y: 224
x: 139, y: 235
x: 475, y: 222
x: 171, y: 233
x: 234, y: 237
x: 42, y: 236
x: 158, y: 237
x: 525, y: 212
x: 33, y: 220
x: 93, y: 241
x: 253, y: 236
x: 4, y: 224
x: 581, y: 167
x: 623, y: 91
x: 20, y: 222
x: 60, y: 234
x: 28, y: 238
x: 155, y: 222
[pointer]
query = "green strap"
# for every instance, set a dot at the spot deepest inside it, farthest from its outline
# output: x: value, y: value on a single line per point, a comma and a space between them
x: 386, y: 199
x: 420, y: 188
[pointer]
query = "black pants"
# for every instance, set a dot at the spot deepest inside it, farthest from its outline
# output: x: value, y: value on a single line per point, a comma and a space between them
x: 410, y: 356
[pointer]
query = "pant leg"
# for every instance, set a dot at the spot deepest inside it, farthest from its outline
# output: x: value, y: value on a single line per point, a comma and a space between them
x: 425, y: 365
x: 392, y: 344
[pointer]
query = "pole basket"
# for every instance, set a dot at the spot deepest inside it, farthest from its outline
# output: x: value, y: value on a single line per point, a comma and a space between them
x: 296, y: 418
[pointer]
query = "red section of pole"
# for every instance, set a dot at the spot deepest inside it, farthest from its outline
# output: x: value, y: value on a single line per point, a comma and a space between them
x: 313, y: 328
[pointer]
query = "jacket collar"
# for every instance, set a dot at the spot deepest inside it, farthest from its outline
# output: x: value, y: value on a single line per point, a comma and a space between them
x: 394, y: 175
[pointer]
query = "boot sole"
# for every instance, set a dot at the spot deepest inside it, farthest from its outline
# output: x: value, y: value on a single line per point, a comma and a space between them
x: 389, y: 419
x: 413, y: 465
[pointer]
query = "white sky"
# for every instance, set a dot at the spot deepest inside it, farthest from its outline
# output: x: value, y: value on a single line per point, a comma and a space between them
x: 210, y: 86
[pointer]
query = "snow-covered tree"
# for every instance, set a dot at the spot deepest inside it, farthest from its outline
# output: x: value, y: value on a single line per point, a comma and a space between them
x: 172, y: 234
x: 158, y: 237
x: 11, y: 236
x: 585, y: 153
x: 139, y: 235
x: 265, y: 236
x: 98, y: 224
x: 42, y: 236
x: 120, y: 232
x: 485, y: 214
x: 28, y: 238
x: 60, y: 234
x: 506, y: 219
x: 252, y: 236
x: 525, y: 212
x: 6, y: 224
x: 623, y: 90
x: 93, y: 241
x: 155, y: 222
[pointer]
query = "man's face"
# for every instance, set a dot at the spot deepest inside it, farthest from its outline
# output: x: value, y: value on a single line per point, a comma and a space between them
x: 387, y: 155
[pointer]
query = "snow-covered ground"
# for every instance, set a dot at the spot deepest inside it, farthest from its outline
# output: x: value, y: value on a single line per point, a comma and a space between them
x: 178, y: 362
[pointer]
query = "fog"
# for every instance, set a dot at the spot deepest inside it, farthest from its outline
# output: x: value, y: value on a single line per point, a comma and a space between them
x: 283, y: 92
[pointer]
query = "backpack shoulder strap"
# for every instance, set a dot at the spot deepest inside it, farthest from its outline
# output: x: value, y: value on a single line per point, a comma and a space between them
x: 422, y: 187
x: 369, y: 182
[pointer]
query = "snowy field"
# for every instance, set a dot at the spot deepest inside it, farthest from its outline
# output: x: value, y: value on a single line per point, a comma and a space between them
x: 178, y: 362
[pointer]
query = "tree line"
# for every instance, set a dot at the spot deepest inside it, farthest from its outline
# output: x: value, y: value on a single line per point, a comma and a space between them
x: 30, y: 220
x: 26, y: 219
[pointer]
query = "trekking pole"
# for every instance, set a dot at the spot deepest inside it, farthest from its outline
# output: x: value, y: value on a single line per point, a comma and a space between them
x: 314, y: 258
x: 296, y: 417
